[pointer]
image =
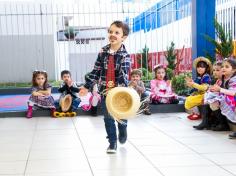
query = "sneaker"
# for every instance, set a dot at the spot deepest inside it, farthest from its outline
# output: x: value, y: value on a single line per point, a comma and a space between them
x: 147, y: 112
x: 112, y: 148
x: 232, y: 135
x: 122, y: 136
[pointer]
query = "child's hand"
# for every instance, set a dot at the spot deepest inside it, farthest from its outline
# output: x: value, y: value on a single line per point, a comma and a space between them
x: 83, y: 91
x: 215, y: 88
x: 37, y: 94
x: 133, y: 83
x: 189, y: 82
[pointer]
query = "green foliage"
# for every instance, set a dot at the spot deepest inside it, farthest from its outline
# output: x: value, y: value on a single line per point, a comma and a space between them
x: 143, y: 61
x: 225, y: 45
x: 179, y: 85
x: 169, y: 73
x: 146, y: 75
x: 171, y: 56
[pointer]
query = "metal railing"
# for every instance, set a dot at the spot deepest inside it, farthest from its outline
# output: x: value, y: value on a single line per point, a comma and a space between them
x: 54, y: 37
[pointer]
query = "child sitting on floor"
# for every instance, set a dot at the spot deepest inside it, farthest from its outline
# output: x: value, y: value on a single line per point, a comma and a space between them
x: 68, y: 87
x: 41, y: 93
x: 200, y: 85
x: 226, y: 96
x: 161, y: 91
x: 209, y: 121
x: 138, y: 85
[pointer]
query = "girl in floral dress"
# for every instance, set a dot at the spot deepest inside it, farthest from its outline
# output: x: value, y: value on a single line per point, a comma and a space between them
x: 40, y: 94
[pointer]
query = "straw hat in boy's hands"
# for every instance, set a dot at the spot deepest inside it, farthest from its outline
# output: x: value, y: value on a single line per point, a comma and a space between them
x: 122, y: 103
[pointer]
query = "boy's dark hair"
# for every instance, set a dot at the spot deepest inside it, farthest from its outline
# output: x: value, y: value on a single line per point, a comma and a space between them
x: 35, y: 75
x: 65, y: 72
x: 124, y: 26
x: 203, y: 65
x: 232, y: 62
x: 136, y: 72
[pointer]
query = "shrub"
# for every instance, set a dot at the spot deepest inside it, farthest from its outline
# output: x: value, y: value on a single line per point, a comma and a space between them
x: 179, y: 85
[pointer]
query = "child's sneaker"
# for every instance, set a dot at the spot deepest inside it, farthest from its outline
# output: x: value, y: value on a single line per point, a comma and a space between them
x: 147, y: 112
x: 112, y: 148
x: 122, y: 136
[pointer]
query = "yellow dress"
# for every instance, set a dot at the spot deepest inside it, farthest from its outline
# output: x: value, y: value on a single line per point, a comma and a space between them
x: 196, y: 98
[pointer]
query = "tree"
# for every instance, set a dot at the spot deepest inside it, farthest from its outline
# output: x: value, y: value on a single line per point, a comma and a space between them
x: 224, y: 47
x: 171, y: 58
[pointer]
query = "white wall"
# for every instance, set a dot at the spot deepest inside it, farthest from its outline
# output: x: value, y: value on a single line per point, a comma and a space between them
x: 21, y: 55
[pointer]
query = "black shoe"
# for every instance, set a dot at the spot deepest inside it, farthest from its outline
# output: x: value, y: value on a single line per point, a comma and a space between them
x: 221, y: 127
x: 204, y: 112
x: 122, y: 135
x: 112, y: 148
x: 232, y: 135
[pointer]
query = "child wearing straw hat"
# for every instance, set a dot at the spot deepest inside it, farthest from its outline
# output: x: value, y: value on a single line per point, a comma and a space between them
x: 68, y: 100
x: 111, y: 70
x: 199, y: 86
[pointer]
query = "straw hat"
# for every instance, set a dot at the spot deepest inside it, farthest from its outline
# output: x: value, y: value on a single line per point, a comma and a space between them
x: 122, y: 102
x: 203, y: 59
x: 65, y: 102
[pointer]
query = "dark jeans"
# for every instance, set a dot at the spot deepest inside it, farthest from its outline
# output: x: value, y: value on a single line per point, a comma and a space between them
x: 110, y: 124
x: 74, y: 105
x: 144, y: 96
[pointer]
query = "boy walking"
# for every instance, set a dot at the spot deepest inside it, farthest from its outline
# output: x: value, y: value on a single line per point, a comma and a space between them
x: 111, y: 70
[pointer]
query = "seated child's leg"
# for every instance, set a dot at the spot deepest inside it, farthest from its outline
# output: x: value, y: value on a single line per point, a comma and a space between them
x: 75, y: 104
x: 155, y: 99
x: 174, y: 101
x: 193, y: 101
x: 144, y: 96
x: 57, y: 104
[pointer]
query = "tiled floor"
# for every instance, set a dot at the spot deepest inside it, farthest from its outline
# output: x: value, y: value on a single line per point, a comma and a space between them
x: 158, y: 145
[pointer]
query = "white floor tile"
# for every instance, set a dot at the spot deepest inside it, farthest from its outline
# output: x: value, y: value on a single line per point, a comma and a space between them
x: 179, y: 160
x: 55, y: 166
x: 54, y: 123
x: 158, y: 145
x: 230, y: 168
x: 194, y: 171
x: 127, y: 172
x: 16, y: 167
x: 222, y: 158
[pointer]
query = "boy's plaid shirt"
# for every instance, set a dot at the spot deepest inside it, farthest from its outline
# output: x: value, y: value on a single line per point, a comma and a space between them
x: 122, y: 67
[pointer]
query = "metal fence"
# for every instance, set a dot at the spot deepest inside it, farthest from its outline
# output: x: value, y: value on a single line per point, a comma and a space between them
x: 226, y: 15
x: 54, y: 37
